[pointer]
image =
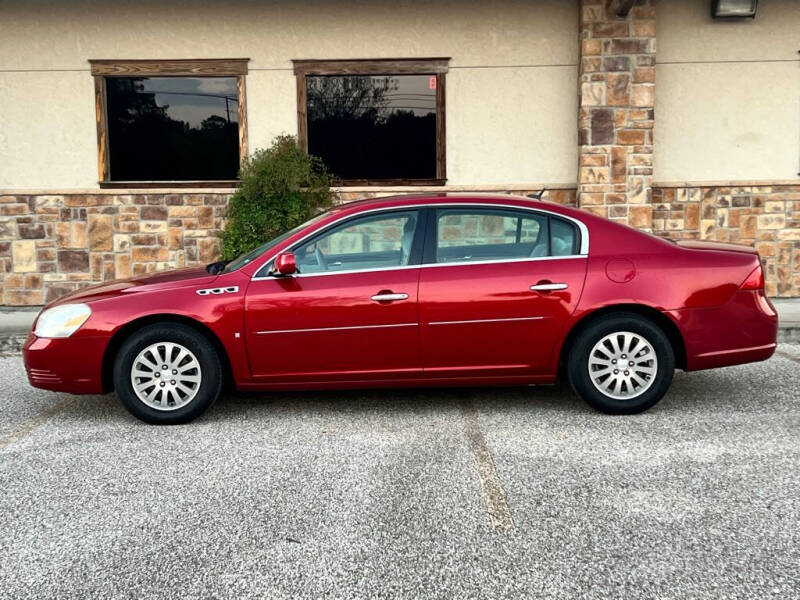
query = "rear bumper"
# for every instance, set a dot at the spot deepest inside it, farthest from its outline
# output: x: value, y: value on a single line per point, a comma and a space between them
x: 743, y: 330
x: 73, y: 365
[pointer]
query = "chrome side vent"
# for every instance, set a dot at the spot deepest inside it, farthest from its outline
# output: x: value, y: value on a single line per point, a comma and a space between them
x: 216, y: 291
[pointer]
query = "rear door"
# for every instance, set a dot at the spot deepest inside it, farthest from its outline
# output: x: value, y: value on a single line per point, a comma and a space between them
x: 496, y: 289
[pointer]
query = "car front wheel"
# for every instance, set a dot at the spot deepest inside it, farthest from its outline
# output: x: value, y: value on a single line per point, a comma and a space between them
x: 167, y: 374
x: 621, y: 364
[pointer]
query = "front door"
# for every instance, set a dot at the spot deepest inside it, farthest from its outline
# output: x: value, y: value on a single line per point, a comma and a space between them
x: 496, y: 290
x: 350, y: 314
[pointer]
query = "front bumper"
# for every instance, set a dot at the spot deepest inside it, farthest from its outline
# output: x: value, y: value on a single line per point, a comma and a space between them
x: 73, y: 364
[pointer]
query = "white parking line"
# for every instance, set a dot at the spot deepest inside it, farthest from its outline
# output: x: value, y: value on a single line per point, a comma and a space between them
x: 33, y: 423
x: 783, y: 354
x: 491, y: 488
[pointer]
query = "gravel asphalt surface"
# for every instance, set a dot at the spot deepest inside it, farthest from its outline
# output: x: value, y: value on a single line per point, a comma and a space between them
x: 477, y: 493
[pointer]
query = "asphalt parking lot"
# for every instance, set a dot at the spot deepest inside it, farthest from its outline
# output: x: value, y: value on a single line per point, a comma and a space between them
x: 516, y: 492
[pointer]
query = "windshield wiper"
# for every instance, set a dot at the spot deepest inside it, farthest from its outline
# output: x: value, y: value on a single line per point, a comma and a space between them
x: 216, y: 268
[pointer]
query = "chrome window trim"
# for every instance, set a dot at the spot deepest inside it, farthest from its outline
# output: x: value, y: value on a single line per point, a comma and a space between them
x: 269, y: 331
x: 582, y: 253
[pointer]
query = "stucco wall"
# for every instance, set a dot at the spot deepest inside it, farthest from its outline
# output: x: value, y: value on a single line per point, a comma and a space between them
x: 727, y: 93
x: 511, y: 93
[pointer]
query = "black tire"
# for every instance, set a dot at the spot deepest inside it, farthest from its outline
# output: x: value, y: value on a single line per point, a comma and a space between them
x: 578, y: 363
x: 210, y: 369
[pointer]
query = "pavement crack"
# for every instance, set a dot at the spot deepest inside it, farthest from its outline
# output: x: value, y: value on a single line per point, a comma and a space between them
x: 491, y: 489
x: 33, y: 423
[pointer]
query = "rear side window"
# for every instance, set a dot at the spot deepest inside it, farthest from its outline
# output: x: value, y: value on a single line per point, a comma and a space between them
x: 563, y: 238
x: 466, y: 235
x: 470, y: 235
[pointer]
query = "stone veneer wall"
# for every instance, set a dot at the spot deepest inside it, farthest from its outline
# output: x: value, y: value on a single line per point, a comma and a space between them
x: 764, y: 216
x: 53, y: 244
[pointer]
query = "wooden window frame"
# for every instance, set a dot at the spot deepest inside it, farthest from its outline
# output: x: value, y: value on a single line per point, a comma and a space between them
x: 387, y: 66
x: 206, y: 67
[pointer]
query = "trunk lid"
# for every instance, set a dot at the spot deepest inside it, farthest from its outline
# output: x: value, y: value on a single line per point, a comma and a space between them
x: 705, y: 245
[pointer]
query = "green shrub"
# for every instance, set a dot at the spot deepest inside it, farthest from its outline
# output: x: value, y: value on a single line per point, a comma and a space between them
x: 281, y: 187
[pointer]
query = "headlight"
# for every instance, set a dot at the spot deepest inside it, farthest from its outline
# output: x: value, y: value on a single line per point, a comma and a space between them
x: 62, y: 321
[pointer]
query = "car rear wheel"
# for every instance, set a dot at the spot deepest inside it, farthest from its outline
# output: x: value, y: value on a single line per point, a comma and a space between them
x: 167, y: 374
x: 621, y: 364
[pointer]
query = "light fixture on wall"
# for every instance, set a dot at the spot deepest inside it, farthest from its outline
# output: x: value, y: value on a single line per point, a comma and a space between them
x: 733, y: 9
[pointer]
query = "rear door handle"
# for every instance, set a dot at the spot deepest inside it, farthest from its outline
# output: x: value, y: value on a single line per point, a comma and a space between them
x: 389, y: 297
x: 548, y: 287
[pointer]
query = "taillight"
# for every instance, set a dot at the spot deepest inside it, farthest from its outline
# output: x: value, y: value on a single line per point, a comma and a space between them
x: 754, y: 281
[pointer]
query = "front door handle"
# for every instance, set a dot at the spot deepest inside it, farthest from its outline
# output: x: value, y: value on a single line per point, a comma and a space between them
x: 548, y: 287
x: 389, y: 297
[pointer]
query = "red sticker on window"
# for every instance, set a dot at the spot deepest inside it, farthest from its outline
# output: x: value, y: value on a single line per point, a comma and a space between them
x: 432, y: 83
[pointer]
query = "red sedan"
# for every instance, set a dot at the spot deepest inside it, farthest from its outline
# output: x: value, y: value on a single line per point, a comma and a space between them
x: 437, y: 290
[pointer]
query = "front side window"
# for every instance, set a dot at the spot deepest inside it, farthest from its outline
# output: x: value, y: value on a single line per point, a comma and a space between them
x: 174, y: 121
x: 469, y: 235
x: 373, y: 242
x: 374, y: 121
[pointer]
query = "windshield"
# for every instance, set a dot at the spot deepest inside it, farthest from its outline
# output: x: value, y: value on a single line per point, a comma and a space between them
x: 238, y: 263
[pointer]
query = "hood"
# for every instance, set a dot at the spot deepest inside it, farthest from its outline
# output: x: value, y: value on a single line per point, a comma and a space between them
x: 156, y: 281
x: 702, y: 245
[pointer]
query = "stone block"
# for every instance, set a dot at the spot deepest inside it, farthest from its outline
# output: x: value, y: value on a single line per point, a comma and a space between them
x: 100, y: 232
x: 55, y: 291
x: 208, y: 250
x: 175, y: 238
x: 771, y: 221
x: 122, y: 266
x: 593, y: 94
x: 153, y: 213
x: 630, y: 137
x: 641, y: 216
x: 31, y: 232
x: 148, y: 254
x: 594, y: 174
x: 23, y: 298
x: 205, y: 216
x: 602, y: 120
x: 24, y: 256
x: 617, y: 63
x: 619, y: 90
x: 644, y: 75
x: 591, y: 47
x: 643, y: 95
x: 630, y: 46
x: 8, y: 229
x: 619, y: 164
x: 153, y: 226
x: 73, y: 261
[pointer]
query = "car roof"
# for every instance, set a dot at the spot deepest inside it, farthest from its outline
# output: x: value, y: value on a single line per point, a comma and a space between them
x: 435, y: 198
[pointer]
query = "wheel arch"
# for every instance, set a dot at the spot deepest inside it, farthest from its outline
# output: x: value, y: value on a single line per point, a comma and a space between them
x: 119, y: 337
x: 666, y: 324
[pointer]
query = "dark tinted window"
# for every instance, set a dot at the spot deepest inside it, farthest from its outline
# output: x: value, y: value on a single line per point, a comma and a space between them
x: 173, y: 128
x: 373, y: 127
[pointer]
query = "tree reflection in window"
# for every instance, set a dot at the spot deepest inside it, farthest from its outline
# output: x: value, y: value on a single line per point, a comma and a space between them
x: 373, y: 127
x: 173, y: 128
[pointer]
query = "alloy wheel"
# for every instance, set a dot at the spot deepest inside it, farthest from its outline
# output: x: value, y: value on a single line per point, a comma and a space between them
x: 166, y: 376
x: 622, y: 365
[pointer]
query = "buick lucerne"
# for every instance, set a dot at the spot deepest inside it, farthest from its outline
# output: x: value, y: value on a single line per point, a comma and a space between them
x: 438, y: 290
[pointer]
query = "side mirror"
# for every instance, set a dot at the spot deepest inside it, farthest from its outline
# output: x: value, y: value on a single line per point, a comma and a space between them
x: 285, y: 264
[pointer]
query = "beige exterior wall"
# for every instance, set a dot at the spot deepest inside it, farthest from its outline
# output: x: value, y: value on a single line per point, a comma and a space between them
x: 511, y: 91
x: 727, y: 94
